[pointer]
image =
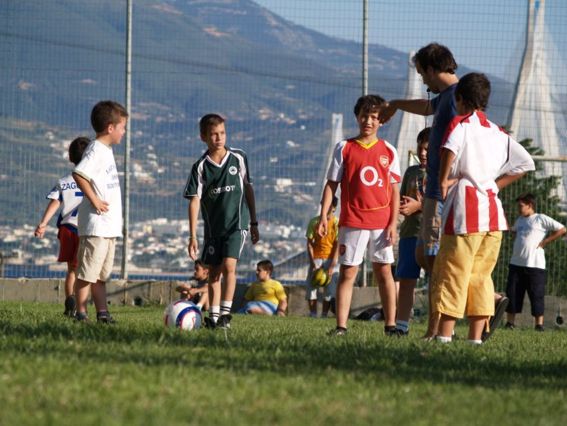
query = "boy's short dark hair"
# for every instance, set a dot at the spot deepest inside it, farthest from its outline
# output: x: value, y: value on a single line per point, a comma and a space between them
x: 437, y: 57
x: 368, y: 104
x: 208, y: 121
x: 473, y: 90
x: 106, y: 113
x: 423, y: 136
x: 527, y: 198
x: 77, y: 148
x: 266, y: 265
x: 200, y: 263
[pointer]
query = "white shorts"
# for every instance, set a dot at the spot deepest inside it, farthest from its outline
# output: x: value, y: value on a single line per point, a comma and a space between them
x: 353, y: 242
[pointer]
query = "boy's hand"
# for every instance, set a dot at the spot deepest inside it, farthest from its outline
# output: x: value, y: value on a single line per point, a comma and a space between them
x: 322, y: 227
x: 391, y: 233
x: 254, y: 234
x: 410, y: 205
x: 40, y: 230
x: 445, y: 185
x: 386, y: 113
x: 100, y: 206
x: 193, y: 248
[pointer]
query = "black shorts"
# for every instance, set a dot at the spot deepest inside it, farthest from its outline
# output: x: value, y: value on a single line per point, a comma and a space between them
x: 522, y: 279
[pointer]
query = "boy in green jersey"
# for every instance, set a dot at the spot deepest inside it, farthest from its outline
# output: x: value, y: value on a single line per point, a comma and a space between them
x: 220, y: 186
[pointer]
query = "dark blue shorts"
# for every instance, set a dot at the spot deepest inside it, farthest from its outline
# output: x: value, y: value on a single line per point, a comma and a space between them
x: 522, y: 279
x: 407, y: 265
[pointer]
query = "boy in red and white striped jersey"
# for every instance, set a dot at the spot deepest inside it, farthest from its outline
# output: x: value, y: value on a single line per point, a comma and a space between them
x: 478, y: 159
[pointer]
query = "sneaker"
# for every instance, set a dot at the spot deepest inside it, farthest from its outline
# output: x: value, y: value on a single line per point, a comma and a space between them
x: 224, y: 321
x: 339, y: 331
x: 509, y: 326
x: 104, y: 317
x: 539, y: 327
x: 499, y: 310
x: 70, y: 307
x: 392, y: 331
x: 81, y: 317
x: 209, y: 323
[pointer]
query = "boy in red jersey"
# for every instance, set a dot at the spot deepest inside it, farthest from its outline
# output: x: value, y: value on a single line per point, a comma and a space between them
x: 368, y: 170
x: 477, y: 160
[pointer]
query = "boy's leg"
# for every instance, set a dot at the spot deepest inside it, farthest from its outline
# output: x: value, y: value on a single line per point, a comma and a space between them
x: 536, y: 292
x: 70, y: 280
x: 347, y: 275
x: 228, y: 284
x: 214, y: 288
x: 406, y: 298
x: 515, y: 291
x: 82, y: 295
x: 99, y: 295
x: 408, y: 270
x: 387, y: 289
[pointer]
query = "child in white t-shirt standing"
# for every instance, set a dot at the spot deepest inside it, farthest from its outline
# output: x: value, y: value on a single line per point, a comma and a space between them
x: 100, y: 213
x: 66, y: 195
x: 527, y: 265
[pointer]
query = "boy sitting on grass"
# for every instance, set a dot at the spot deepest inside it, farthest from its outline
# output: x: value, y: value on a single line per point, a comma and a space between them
x: 477, y: 160
x: 265, y: 296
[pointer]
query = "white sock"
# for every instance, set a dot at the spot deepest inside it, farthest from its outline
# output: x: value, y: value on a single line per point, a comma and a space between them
x: 402, y: 325
x: 225, y: 307
x: 474, y: 342
x: 444, y: 339
x: 214, y: 313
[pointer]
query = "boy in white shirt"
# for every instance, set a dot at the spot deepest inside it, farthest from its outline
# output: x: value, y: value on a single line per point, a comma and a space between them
x: 66, y: 194
x: 477, y: 160
x: 527, y: 265
x: 100, y: 213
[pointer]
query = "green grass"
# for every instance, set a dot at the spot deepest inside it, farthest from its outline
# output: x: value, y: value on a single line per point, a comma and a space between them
x: 269, y: 371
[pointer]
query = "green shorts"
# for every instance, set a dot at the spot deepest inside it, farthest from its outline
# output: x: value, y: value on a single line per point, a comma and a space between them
x: 218, y: 248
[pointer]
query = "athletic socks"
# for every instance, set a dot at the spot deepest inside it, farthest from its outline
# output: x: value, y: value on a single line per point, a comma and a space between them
x: 225, y: 307
x: 402, y: 325
x: 474, y: 342
x: 443, y: 339
x: 214, y: 312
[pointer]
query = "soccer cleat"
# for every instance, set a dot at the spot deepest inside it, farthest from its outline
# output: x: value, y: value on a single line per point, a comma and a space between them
x: 392, y: 331
x: 224, y: 321
x: 509, y: 326
x: 81, y: 317
x: 104, y: 317
x: 70, y: 307
x: 539, y: 327
x: 209, y: 323
x: 499, y: 310
x: 339, y: 331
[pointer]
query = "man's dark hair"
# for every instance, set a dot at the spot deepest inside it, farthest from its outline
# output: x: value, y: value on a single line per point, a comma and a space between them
x: 106, y: 113
x: 437, y: 57
x: 208, y: 121
x: 473, y: 90
x: 423, y: 136
x: 266, y: 265
x: 368, y: 104
x: 77, y: 148
x: 528, y: 198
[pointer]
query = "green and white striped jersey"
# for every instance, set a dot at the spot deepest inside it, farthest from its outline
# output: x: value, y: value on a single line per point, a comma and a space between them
x: 220, y: 188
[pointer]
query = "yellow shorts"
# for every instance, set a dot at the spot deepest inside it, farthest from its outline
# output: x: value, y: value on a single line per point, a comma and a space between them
x: 96, y: 258
x: 463, y: 274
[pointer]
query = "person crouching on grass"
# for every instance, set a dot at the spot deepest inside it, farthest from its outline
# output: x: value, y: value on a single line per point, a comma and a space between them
x: 478, y: 159
x: 265, y: 296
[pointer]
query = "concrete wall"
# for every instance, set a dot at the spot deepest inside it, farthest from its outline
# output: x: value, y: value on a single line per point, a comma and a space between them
x: 163, y: 292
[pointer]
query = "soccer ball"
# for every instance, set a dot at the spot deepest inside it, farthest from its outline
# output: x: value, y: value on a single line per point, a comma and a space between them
x: 320, y: 278
x: 183, y: 314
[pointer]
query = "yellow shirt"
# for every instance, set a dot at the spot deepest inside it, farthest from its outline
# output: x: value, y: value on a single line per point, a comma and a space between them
x: 269, y: 291
x: 323, y: 246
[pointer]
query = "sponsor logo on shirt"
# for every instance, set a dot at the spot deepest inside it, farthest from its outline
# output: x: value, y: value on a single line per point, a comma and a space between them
x: 221, y: 189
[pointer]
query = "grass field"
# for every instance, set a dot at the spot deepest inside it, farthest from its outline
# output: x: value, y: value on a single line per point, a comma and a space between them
x: 269, y: 371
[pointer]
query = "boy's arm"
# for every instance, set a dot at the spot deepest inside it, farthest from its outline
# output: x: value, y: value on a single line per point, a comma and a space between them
x: 88, y: 191
x: 392, y: 229
x: 447, y: 158
x: 334, y: 257
x: 282, y: 307
x: 552, y: 237
x: 415, y: 106
x: 503, y: 181
x: 193, y: 213
x: 47, y: 215
x: 251, y: 201
x: 328, y: 192
x: 310, y: 253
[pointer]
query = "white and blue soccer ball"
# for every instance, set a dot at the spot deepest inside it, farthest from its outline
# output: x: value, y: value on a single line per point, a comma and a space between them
x: 183, y: 314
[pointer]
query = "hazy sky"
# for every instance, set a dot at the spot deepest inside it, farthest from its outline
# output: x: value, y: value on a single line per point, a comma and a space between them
x: 485, y: 35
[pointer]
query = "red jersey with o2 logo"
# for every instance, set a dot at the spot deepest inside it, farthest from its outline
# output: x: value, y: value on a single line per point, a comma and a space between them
x: 366, y: 173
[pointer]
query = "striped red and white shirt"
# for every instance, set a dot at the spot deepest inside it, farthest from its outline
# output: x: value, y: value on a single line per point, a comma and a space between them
x: 366, y: 173
x: 483, y: 153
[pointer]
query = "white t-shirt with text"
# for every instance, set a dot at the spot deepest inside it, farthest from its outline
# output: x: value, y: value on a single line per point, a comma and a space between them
x: 98, y: 167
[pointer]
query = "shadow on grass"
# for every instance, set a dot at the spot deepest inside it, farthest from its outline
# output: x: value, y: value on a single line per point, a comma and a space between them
x: 289, y: 349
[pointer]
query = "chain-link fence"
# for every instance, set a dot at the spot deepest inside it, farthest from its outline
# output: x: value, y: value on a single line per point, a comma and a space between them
x: 276, y: 69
